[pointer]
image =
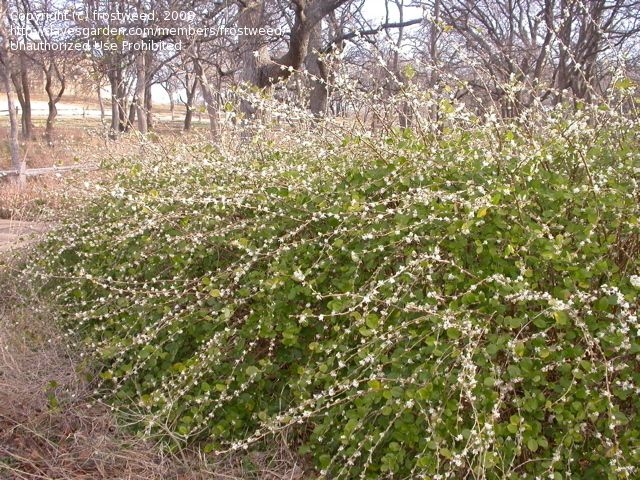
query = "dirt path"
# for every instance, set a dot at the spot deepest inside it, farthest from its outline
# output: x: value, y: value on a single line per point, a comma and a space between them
x: 14, y: 234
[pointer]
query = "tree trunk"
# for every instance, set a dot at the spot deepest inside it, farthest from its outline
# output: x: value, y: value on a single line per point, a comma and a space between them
x: 148, y: 104
x: 564, y: 57
x: 133, y: 109
x: 210, y: 102
x: 51, y: 118
x: 255, y: 54
x: 315, y: 66
x: 23, y: 92
x: 26, y: 111
x: 406, y: 115
x: 400, y: 80
x: 140, y: 94
x: 115, y: 106
x: 122, y: 100
x: 102, y: 114
x: 148, y: 100
x: 191, y: 93
x: 172, y: 104
x: 53, y: 98
x: 16, y: 164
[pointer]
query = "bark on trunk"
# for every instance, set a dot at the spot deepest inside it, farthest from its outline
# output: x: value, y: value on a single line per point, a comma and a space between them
x: 148, y: 105
x: 101, y: 103
x: 51, y: 118
x: 564, y: 57
x: 53, y: 98
x: 122, y: 100
x: 255, y: 54
x: 16, y: 163
x: 148, y: 100
x: 172, y: 104
x: 315, y: 66
x: 140, y: 94
x: 191, y: 93
x: 26, y: 111
x: 133, y: 109
x: 23, y: 92
x: 115, y: 106
x: 209, y: 100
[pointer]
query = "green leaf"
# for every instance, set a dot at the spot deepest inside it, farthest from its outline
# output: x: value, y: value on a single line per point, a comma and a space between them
x: 453, y: 333
x: 624, y: 84
x: 446, y: 453
x: 561, y: 318
x: 409, y: 71
x: 372, y: 321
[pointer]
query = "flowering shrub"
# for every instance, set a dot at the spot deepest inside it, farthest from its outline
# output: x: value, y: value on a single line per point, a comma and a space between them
x: 440, y: 306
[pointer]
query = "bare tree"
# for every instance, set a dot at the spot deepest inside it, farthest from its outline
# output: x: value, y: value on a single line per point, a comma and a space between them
x: 190, y: 84
x: 141, y: 81
x: 258, y: 66
x: 18, y: 165
x: 548, y: 45
x: 53, y: 96
x: 210, y: 102
x: 20, y: 78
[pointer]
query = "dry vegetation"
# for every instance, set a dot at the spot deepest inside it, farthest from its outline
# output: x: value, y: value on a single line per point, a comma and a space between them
x: 81, y: 142
x: 77, y: 138
x: 49, y: 429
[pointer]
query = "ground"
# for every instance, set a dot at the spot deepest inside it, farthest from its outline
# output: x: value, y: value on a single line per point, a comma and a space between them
x: 14, y: 234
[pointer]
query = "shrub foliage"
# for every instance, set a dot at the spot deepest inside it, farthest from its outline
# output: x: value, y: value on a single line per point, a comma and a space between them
x: 447, y: 306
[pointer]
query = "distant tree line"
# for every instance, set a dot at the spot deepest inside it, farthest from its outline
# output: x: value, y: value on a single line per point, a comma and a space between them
x: 552, y: 50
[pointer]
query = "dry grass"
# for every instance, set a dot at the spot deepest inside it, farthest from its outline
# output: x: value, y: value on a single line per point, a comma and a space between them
x: 29, y: 203
x: 50, y: 427
x: 75, y: 140
x: 71, y: 137
x: 77, y: 145
x: 45, y: 195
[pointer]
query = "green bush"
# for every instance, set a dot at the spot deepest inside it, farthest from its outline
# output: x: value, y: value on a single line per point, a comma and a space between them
x: 456, y: 307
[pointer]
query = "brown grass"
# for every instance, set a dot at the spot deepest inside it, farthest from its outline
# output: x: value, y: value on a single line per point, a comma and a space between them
x: 71, y: 137
x: 75, y: 140
x: 46, y: 194
x: 29, y: 203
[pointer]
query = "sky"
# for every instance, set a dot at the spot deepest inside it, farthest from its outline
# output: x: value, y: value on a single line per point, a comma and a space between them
x: 374, y: 9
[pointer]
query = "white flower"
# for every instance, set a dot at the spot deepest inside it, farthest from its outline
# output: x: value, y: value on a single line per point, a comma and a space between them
x: 298, y: 276
x: 635, y: 280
